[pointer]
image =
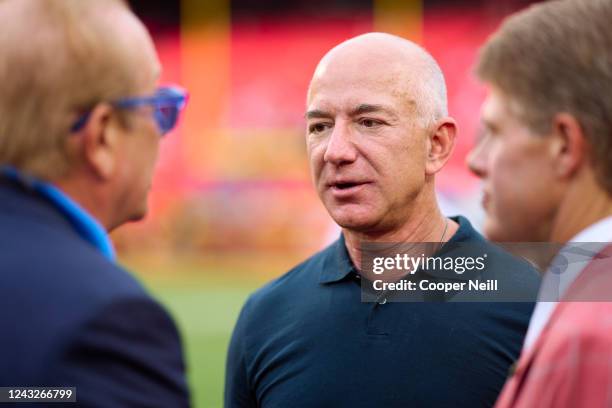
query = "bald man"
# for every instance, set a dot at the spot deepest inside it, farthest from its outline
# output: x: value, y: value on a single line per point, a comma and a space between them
x: 81, y: 124
x: 377, y: 133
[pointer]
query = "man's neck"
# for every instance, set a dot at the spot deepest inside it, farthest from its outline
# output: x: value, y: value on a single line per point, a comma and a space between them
x: 429, y: 227
x: 89, y: 198
x: 584, y: 204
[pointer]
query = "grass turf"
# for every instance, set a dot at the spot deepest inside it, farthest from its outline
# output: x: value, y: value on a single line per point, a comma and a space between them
x: 205, y: 298
x: 205, y: 315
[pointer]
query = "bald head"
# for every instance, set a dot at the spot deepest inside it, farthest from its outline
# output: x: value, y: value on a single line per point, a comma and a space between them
x: 59, y: 58
x: 401, y: 66
x: 377, y: 132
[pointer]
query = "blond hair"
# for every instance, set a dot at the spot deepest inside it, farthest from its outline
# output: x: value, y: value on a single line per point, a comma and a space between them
x: 58, y: 58
x: 557, y: 57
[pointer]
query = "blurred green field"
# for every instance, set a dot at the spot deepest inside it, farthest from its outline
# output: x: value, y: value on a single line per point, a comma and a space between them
x: 205, y: 300
x: 206, y: 315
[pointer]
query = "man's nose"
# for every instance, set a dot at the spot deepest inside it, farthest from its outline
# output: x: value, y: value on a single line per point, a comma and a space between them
x: 340, y: 146
x: 476, y: 160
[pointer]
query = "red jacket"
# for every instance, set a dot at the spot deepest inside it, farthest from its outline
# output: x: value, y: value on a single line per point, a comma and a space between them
x: 570, y: 364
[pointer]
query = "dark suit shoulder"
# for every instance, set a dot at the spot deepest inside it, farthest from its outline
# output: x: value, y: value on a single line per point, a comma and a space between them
x: 42, y: 257
x: 53, y: 283
x: 127, y: 353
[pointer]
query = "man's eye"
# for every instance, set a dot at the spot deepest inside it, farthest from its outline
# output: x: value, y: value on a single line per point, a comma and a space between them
x: 369, y: 123
x: 317, y: 127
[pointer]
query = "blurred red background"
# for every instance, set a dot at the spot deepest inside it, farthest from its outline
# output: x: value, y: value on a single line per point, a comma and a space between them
x: 234, y: 176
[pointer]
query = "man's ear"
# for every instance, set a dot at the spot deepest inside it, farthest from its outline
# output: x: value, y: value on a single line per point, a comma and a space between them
x: 99, y: 142
x: 569, y: 147
x: 440, y: 145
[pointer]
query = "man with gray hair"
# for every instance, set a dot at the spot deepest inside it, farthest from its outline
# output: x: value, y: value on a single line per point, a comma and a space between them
x: 81, y: 120
x: 377, y: 133
x: 545, y: 158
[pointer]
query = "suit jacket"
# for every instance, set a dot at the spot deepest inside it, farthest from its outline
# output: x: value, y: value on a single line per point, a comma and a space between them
x: 71, y: 317
x: 570, y: 364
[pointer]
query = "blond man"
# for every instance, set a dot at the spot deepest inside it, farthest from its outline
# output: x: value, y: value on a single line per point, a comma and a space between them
x: 79, y: 137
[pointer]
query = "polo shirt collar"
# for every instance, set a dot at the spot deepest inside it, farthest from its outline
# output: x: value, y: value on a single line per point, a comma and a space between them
x: 338, y: 264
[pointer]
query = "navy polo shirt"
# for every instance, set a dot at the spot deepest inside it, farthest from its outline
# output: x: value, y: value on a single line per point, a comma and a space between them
x: 307, y: 340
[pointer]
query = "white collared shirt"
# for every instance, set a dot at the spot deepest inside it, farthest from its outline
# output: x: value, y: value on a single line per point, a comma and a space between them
x: 600, y: 232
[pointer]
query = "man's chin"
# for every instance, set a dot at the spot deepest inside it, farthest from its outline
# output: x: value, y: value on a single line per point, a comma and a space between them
x: 134, y: 217
x: 354, y: 223
x: 490, y: 229
x: 356, y: 216
x: 139, y: 216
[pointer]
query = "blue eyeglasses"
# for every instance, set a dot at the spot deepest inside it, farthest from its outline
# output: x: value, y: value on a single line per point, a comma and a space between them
x: 167, y: 103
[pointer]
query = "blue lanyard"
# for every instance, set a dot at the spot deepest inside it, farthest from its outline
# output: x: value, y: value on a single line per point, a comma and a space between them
x: 86, y: 226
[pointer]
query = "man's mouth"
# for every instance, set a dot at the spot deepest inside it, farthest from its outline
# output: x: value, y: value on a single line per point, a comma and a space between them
x: 345, y: 188
x: 485, y: 201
